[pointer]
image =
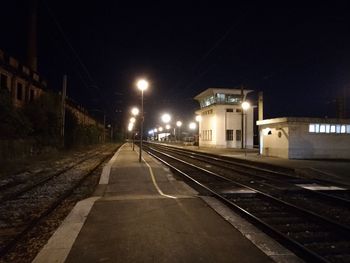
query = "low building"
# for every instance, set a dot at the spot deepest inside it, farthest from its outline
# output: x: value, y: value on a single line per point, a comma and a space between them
x: 223, y: 122
x: 305, y: 138
x: 23, y: 84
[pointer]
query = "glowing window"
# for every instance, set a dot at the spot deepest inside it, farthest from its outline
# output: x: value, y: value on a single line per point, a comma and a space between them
x: 328, y: 128
x: 332, y: 128
x: 312, y: 128
x: 322, y: 128
x: 317, y: 128
x: 347, y: 128
x: 343, y: 129
x: 337, y: 128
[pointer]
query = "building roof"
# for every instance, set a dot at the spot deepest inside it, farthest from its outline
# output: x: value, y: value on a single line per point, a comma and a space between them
x: 303, y: 120
x: 212, y: 91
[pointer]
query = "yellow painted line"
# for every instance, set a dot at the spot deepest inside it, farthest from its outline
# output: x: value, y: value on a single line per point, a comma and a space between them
x: 155, y: 182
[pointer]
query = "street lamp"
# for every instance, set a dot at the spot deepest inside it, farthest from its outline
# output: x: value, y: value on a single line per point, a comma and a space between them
x: 135, y: 111
x: 142, y: 85
x: 245, y: 106
x: 179, y: 124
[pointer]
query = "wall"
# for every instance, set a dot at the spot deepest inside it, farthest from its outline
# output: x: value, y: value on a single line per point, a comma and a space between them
x: 305, y: 145
x: 274, y: 140
x: 220, y: 121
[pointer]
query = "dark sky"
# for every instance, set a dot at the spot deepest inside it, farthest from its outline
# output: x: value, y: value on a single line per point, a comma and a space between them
x: 299, y: 56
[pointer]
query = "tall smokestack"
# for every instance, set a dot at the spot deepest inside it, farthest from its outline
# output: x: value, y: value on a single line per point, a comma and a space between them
x: 32, y: 57
x: 261, y: 106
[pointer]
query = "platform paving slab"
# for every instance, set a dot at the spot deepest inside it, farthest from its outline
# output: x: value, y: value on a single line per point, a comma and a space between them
x: 143, y: 214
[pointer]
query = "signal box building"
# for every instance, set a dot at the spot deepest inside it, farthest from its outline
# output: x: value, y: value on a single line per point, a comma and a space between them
x: 223, y: 122
x: 305, y: 138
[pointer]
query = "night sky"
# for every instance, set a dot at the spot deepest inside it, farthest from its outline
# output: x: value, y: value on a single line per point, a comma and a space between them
x: 299, y: 56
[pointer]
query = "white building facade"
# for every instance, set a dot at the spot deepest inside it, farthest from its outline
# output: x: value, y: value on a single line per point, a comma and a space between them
x: 223, y: 122
x: 305, y: 138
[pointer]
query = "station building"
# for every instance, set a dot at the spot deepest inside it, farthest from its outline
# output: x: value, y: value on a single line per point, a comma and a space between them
x: 223, y: 122
x: 305, y: 138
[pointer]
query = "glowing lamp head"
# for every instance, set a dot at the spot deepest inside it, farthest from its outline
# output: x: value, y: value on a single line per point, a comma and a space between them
x: 167, y: 126
x: 142, y: 84
x: 155, y: 130
x: 160, y: 129
x: 135, y: 111
x: 198, y: 118
x: 178, y: 123
x: 130, y: 126
x: 245, y: 105
x: 192, y: 126
x: 166, y: 118
x: 132, y: 120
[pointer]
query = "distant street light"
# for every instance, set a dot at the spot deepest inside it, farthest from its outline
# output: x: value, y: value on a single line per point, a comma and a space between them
x: 245, y: 106
x: 135, y: 111
x: 198, y: 118
x: 142, y: 85
x: 132, y: 120
x: 192, y: 126
x: 166, y: 118
x: 167, y: 126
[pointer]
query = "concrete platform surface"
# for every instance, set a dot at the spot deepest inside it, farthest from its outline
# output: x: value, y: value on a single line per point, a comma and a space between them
x: 143, y: 214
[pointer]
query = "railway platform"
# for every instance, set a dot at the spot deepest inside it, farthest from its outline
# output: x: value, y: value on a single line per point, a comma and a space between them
x: 142, y: 213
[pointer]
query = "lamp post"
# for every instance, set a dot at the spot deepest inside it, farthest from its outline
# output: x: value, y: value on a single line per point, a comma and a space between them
x: 142, y: 85
x: 134, y: 111
x: 179, y: 124
x: 245, y: 107
x: 198, y: 119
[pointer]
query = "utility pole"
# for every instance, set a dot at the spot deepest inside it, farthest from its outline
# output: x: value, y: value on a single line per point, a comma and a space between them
x: 242, y: 117
x: 63, y: 104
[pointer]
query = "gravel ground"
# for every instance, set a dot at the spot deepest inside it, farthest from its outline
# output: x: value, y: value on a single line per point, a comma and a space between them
x: 30, y: 245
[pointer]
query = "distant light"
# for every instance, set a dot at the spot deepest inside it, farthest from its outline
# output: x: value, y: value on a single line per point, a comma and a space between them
x: 245, y: 105
x: 130, y: 126
x: 192, y: 125
x: 142, y: 84
x: 178, y: 123
x: 135, y: 111
x: 150, y: 132
x: 198, y: 118
x: 155, y: 130
x: 167, y: 127
x: 160, y: 129
x: 166, y: 117
x: 132, y: 120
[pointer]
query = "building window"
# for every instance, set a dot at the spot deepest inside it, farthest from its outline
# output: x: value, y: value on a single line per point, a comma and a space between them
x: 229, y: 110
x: 329, y: 128
x: 229, y: 135
x: 238, y: 135
x: 3, y: 81
x: 19, y: 91
x: 239, y: 110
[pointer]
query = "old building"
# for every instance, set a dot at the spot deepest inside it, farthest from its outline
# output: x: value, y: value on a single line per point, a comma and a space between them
x: 23, y: 84
x: 224, y: 124
x: 305, y: 138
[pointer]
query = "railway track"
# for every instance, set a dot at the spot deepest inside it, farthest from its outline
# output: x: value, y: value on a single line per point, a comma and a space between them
x: 25, y: 207
x: 278, y: 207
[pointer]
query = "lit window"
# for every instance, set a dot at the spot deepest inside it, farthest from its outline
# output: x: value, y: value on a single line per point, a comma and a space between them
x: 311, y: 127
x: 328, y: 128
x: 347, y: 128
x: 343, y: 129
x: 317, y: 128
x: 322, y: 128
x: 332, y: 128
x: 337, y: 128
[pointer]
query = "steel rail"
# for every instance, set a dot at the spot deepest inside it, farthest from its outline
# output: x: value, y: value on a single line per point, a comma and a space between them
x: 306, y: 253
